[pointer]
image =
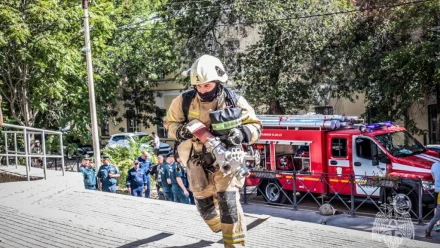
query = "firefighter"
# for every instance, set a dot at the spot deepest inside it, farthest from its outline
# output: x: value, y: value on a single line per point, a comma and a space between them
x: 165, y: 179
x: 136, y: 180
x: 108, y: 176
x: 179, y: 183
x: 84, y: 162
x: 145, y: 164
x: 89, y: 175
x: 207, y: 181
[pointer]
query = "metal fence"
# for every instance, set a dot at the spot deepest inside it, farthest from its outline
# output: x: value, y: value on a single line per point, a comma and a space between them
x: 15, y: 154
x: 418, y: 193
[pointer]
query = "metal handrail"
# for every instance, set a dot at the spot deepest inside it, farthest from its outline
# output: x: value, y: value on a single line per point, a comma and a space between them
x: 26, y: 131
x: 30, y: 128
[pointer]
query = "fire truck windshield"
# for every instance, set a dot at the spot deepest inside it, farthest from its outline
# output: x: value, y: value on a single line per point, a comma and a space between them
x: 400, y: 144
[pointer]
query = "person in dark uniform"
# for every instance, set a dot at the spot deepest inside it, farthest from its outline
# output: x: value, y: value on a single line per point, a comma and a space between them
x: 164, y: 174
x: 136, y: 180
x: 179, y: 184
x: 144, y: 157
x: 108, y: 175
x: 154, y: 172
x: 145, y: 164
x: 89, y: 176
x: 85, y: 159
x: 185, y: 179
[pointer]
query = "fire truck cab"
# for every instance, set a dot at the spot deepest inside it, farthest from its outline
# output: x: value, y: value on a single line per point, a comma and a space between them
x: 335, y: 147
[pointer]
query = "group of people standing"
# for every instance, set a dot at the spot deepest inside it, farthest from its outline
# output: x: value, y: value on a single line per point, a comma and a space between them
x: 169, y: 175
x: 107, y: 177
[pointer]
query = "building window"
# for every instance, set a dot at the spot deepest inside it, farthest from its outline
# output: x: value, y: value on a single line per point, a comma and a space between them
x: 327, y: 110
x: 132, y: 125
x: 105, y: 128
x: 432, y: 123
x: 161, y: 131
x: 339, y: 147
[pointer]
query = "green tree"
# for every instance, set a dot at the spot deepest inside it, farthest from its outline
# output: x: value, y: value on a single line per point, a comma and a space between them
x: 391, y: 54
x: 280, y: 70
x: 274, y: 71
x: 43, y: 75
x: 39, y: 62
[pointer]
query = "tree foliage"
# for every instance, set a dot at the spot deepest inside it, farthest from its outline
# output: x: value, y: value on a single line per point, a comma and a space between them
x: 123, y: 157
x: 43, y: 75
x: 309, y: 50
x: 391, y: 55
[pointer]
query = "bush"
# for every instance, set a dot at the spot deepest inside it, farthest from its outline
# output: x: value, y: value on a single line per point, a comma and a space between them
x: 123, y: 157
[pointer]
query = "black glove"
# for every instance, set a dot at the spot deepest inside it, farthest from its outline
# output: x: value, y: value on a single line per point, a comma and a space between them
x: 183, y: 133
x: 236, y: 136
x: 240, y: 135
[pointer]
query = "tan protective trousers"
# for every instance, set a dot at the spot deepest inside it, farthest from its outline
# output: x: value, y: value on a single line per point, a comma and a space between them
x: 218, y: 201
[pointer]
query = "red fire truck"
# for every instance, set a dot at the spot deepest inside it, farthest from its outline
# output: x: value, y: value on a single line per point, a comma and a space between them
x: 334, y: 146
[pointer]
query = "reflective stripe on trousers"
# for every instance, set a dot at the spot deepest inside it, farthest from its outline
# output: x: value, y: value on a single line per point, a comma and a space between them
x: 219, y: 205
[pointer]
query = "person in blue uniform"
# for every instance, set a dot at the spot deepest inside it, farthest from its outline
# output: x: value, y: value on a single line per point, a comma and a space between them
x: 89, y: 176
x: 178, y: 180
x: 185, y: 179
x: 164, y: 174
x: 108, y: 175
x: 136, y: 180
x: 145, y: 164
x: 84, y: 162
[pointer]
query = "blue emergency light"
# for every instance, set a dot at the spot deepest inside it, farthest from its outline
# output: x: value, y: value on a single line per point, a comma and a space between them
x: 374, y: 126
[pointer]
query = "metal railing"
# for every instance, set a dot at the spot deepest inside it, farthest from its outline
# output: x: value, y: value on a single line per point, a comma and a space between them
x: 350, y: 199
x: 26, y: 132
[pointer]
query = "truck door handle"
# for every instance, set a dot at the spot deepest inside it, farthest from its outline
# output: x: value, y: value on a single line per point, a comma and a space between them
x: 333, y: 162
x: 357, y: 164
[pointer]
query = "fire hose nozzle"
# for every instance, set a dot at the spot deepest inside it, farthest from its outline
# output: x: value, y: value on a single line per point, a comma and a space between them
x: 226, y: 168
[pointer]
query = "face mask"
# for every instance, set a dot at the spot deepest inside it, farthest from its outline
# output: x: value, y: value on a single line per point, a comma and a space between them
x: 208, y: 96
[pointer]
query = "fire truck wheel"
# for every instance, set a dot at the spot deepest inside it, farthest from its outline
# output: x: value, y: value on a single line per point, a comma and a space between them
x: 274, y: 193
x: 413, y: 197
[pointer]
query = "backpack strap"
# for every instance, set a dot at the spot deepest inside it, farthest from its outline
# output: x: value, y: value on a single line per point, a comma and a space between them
x: 187, y: 98
x: 231, y: 98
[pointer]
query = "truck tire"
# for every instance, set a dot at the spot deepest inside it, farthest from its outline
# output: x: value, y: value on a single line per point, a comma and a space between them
x: 413, y: 200
x: 273, y: 193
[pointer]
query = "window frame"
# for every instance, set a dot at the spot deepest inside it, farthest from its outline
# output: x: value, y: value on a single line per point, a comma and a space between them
x: 339, y: 146
x: 160, y: 127
x: 324, y: 110
x: 130, y: 115
x: 378, y: 147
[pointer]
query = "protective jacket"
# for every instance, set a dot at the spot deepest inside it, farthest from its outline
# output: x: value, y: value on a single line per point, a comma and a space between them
x: 200, y: 110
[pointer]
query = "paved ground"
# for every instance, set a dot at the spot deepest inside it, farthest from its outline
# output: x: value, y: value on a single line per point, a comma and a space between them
x: 60, y: 213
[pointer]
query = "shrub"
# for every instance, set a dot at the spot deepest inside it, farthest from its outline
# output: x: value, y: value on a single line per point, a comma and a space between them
x: 123, y: 157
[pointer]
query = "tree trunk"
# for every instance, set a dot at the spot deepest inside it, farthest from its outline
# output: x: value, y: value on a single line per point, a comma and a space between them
x: 1, y: 114
x: 437, y: 96
x: 405, y: 119
x: 275, y: 108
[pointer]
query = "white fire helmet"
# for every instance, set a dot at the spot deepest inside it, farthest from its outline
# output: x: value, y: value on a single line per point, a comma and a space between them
x: 207, y: 69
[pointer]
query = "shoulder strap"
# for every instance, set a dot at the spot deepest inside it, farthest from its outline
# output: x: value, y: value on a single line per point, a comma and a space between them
x: 187, y: 98
x: 231, y: 97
